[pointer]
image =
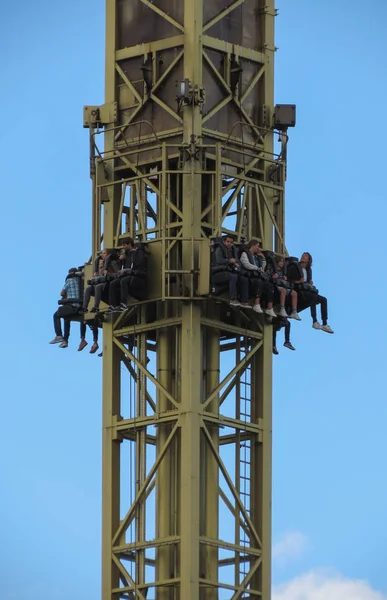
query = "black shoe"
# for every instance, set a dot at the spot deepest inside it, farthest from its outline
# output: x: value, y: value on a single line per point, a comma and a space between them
x: 94, y: 309
x: 289, y: 345
x: 275, y: 351
x: 83, y: 310
x: 110, y: 310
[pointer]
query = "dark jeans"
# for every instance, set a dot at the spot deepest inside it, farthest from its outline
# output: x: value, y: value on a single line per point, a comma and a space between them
x: 94, y: 290
x: 115, y: 292
x: 121, y: 288
x: 133, y: 286
x: 89, y: 292
x: 262, y: 289
x: 277, y: 328
x: 238, y: 281
x: 313, y: 300
x: 93, y: 328
x: 64, y: 312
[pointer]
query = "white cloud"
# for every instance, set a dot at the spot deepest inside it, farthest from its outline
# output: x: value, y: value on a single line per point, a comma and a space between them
x: 291, y: 545
x: 324, y: 585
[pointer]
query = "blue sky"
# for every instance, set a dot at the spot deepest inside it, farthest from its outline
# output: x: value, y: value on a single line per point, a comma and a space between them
x: 329, y: 484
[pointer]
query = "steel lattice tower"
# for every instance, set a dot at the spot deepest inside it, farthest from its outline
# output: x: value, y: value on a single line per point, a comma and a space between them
x: 181, y: 152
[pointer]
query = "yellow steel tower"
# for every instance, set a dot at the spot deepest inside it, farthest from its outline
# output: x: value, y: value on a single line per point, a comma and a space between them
x: 181, y: 152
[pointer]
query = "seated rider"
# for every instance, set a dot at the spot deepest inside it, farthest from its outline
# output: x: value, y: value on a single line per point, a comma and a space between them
x: 226, y: 257
x: 106, y: 264
x: 131, y: 280
x: 278, y: 323
x: 71, y: 304
x: 313, y: 297
x: 284, y: 290
x: 254, y: 263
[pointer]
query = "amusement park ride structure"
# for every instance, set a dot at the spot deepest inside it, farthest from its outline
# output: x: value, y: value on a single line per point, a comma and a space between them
x: 188, y: 146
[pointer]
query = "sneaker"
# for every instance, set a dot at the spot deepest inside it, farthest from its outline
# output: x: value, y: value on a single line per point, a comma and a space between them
x: 289, y: 345
x: 275, y: 351
x: 83, y: 309
x: 64, y: 344
x: 282, y: 313
x: 58, y: 339
x: 246, y: 305
x: 95, y: 309
x: 257, y: 308
x: 110, y: 310
x: 327, y: 328
x: 94, y: 348
x: 121, y: 308
x: 235, y: 303
x: 295, y: 315
x: 270, y: 312
x: 316, y: 325
x: 100, y: 354
x: 82, y: 345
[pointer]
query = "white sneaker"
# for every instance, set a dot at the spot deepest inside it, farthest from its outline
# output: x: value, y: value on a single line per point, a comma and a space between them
x: 235, y: 303
x: 316, y: 325
x: 64, y: 344
x: 257, y: 308
x: 296, y: 316
x: 327, y: 328
x: 282, y: 313
x: 58, y: 339
x: 270, y: 312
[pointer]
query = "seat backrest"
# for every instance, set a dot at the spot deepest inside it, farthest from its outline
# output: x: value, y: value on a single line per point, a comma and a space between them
x: 112, y: 262
x: 214, y: 244
x: 271, y: 265
x: 293, y: 269
x: 140, y: 257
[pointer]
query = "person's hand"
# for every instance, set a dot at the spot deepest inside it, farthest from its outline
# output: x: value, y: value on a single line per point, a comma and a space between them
x: 285, y: 278
x: 232, y: 261
x: 275, y: 275
x: 311, y: 282
x: 63, y: 293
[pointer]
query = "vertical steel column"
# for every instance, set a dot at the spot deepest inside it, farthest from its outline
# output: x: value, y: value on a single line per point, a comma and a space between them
x: 191, y: 335
x: 164, y: 497
x: 211, y: 516
x: 141, y: 451
x: 111, y: 357
x: 261, y: 467
x: 190, y: 477
x: 111, y: 462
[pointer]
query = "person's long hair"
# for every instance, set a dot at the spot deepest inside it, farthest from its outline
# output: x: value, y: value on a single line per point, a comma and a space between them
x: 310, y: 259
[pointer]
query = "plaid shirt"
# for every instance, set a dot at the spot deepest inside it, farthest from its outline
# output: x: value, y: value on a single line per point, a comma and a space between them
x: 71, y: 288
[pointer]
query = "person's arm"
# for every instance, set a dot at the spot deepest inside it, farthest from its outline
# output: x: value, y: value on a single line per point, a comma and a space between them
x: 65, y: 288
x: 246, y: 264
